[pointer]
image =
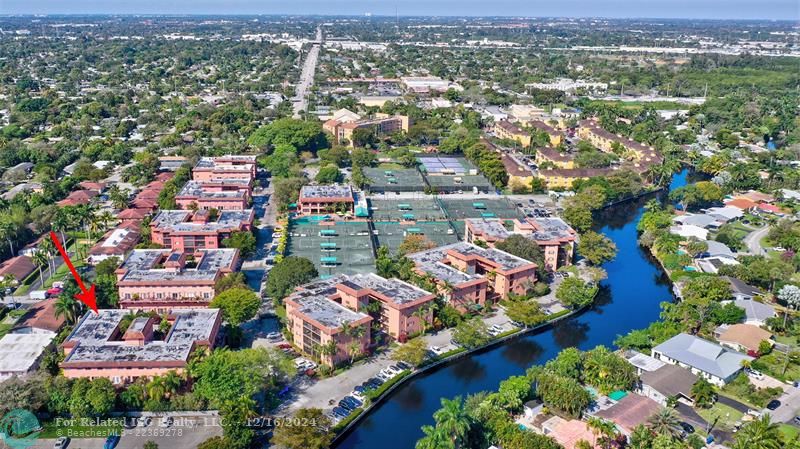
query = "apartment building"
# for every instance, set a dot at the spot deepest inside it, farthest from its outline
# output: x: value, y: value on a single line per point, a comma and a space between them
x: 222, y: 194
x: 161, y: 279
x: 338, y: 311
x: 225, y: 167
x: 642, y: 156
x: 100, y: 346
x: 381, y: 124
x: 556, y: 136
x: 504, y: 272
x: 316, y: 200
x: 555, y: 157
x: 189, y: 231
x: 507, y: 130
x: 553, y: 235
x: 562, y: 178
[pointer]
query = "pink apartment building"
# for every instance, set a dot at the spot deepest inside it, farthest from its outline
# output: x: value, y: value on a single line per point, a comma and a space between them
x: 553, y: 235
x: 505, y: 273
x: 225, y: 167
x: 325, y: 310
x: 317, y: 200
x: 162, y: 280
x: 100, y: 347
x: 187, y: 231
x: 223, y: 194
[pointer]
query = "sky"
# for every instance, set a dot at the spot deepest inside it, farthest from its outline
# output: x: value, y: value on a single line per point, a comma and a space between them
x: 693, y: 9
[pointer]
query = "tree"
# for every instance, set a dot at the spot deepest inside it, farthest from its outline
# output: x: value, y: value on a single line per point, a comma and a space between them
x: 523, y: 247
x: 150, y: 444
x: 414, y: 243
x: 309, y: 428
x: 434, y: 438
x: 414, y: 351
x: 238, y: 305
x: 664, y: 422
x: 214, y: 443
x: 596, y: 248
x: 288, y: 274
x: 287, y: 191
x: 759, y: 434
x: 607, y: 371
x: 513, y: 392
x: 231, y: 280
x: 67, y: 307
x: 703, y: 393
x: 303, y: 135
x: 696, y: 247
x: 711, y: 288
x: 563, y: 393
x: 575, y: 293
x: 471, y: 333
x: 244, y: 241
x: 453, y: 420
x: 328, y: 174
x: 527, y: 312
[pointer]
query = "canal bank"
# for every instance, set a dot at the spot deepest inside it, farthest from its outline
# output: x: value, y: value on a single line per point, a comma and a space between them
x: 629, y: 299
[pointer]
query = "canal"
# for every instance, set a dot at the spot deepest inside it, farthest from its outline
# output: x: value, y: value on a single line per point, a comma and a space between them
x: 629, y: 299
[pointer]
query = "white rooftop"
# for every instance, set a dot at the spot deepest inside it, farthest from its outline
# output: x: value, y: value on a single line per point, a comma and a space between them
x: 19, y: 352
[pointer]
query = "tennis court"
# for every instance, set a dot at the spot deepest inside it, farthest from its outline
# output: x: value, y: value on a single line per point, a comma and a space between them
x: 333, y: 247
x: 480, y: 208
x: 435, y: 164
x: 394, y: 180
x: 421, y: 209
x: 455, y: 183
x: 392, y: 234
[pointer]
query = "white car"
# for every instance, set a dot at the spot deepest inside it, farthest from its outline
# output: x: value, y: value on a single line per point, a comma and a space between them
x: 61, y: 443
x: 436, y: 350
x: 755, y: 374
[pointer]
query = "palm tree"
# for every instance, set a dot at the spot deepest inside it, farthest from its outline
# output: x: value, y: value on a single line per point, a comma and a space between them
x: 759, y: 434
x: 606, y: 430
x: 8, y: 231
x: 105, y: 218
x: 354, y: 349
x: 40, y: 258
x: 434, y: 438
x: 49, y: 249
x: 68, y: 308
x: 156, y: 389
x: 664, y: 423
x: 172, y: 382
x: 453, y: 420
x: 118, y: 197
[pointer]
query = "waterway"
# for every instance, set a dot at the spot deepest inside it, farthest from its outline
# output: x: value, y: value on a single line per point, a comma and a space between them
x: 629, y: 299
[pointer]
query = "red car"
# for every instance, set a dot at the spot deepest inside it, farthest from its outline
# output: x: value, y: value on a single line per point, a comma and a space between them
x: 53, y: 292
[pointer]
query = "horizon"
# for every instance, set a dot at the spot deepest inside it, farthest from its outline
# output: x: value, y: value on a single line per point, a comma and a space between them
x: 749, y: 10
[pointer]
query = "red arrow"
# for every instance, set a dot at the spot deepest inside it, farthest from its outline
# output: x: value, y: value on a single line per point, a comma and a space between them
x: 86, y: 296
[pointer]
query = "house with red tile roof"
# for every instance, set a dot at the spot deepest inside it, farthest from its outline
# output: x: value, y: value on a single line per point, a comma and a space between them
x: 40, y: 317
x: 78, y: 197
x: 18, y: 268
x: 742, y: 203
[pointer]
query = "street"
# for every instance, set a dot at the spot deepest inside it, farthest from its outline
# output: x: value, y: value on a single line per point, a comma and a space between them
x: 299, y: 101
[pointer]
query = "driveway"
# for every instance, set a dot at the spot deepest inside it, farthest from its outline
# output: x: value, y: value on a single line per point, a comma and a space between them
x: 753, y: 241
x: 790, y: 405
x: 732, y: 403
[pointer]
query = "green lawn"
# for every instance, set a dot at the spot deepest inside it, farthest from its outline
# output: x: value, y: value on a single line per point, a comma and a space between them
x: 727, y: 415
x: 772, y: 365
x: 790, y: 433
x: 81, y: 428
x: 390, y: 166
x: 5, y: 328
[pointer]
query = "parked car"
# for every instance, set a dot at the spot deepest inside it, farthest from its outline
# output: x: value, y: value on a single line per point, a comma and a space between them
x: 773, y: 404
x: 274, y: 336
x: 111, y: 442
x: 129, y: 423
x: 352, y: 400
x: 340, y: 412
x: 344, y: 405
x: 144, y: 421
x: 61, y: 443
x: 688, y: 428
x: 797, y: 420
x: 436, y: 350
x: 403, y: 365
x: 755, y: 374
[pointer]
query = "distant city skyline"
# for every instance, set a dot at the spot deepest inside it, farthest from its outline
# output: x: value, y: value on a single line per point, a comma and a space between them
x: 689, y: 9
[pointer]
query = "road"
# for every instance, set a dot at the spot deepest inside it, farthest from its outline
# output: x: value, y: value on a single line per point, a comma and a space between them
x: 790, y: 405
x: 299, y: 101
x: 753, y: 241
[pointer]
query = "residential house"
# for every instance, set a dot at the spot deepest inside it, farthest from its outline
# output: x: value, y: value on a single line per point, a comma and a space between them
x: 709, y: 360
x: 743, y: 291
x: 629, y: 412
x: 17, y: 269
x: 742, y: 337
x: 117, y: 242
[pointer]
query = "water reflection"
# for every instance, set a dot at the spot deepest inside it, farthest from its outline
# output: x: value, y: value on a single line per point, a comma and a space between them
x: 468, y: 370
x: 410, y: 399
x: 570, y: 333
x: 522, y: 352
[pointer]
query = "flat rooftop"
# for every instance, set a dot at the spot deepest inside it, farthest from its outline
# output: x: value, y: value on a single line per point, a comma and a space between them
x: 180, y: 221
x: 325, y: 192
x: 325, y: 311
x: 197, y: 189
x: 398, y: 291
x: 96, y: 338
x: 447, y: 273
x: 503, y: 259
x: 226, y: 163
x: 491, y: 227
x: 551, y: 228
x: 142, y: 265
x: 19, y: 352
